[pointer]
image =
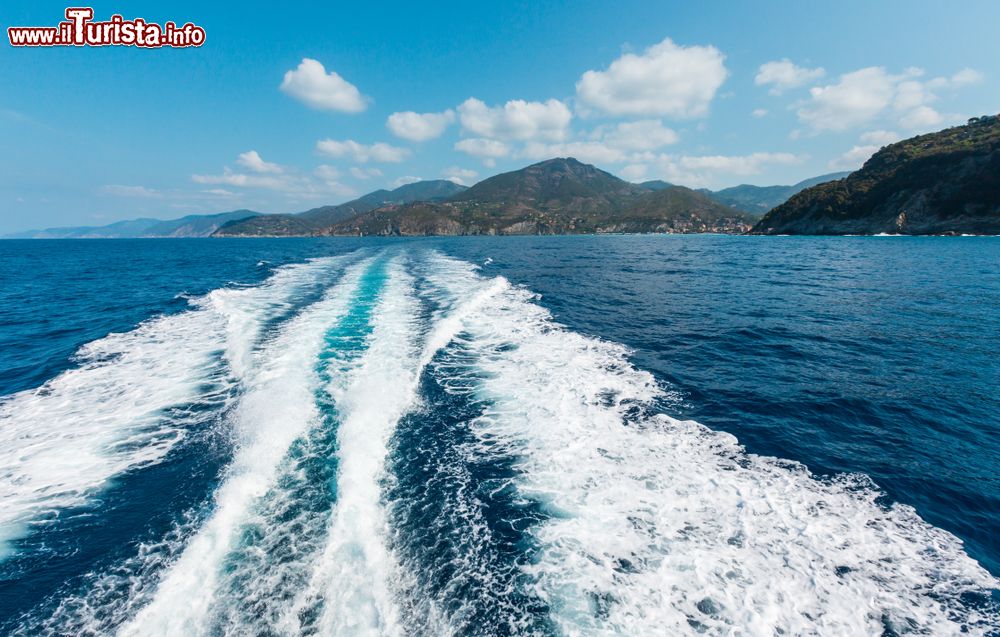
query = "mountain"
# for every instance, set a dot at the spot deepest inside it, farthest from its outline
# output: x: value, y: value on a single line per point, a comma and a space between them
x: 557, y: 196
x: 189, y: 226
x: 315, y: 221
x: 196, y: 225
x: 430, y: 190
x: 760, y: 199
x: 946, y: 182
x: 655, y: 184
x: 553, y: 187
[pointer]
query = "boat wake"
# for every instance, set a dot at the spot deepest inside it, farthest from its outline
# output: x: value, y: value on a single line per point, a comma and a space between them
x: 418, y: 449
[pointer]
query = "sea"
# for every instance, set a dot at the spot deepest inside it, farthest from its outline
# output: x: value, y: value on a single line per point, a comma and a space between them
x: 565, y: 435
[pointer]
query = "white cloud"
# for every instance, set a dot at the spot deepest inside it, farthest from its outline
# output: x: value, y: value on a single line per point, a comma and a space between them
x: 365, y: 173
x: 911, y: 94
x: 324, y: 171
x: 232, y: 178
x: 864, y: 95
x: 313, y: 86
x: 736, y: 165
x: 362, y: 153
x: 402, y: 181
x: 644, y: 134
x: 852, y: 159
x: 252, y: 160
x: 607, y: 144
x: 322, y: 182
x: 923, y: 118
x: 871, y: 142
x: 697, y: 171
x: 220, y: 192
x: 666, y: 79
x: 759, y: 112
x: 131, y: 191
x: 781, y: 75
x: 461, y: 176
x: 880, y: 137
x: 855, y: 99
x: 419, y: 127
x: 588, y: 152
x: 634, y: 172
x: 965, y: 77
x: 517, y: 119
x: 483, y: 148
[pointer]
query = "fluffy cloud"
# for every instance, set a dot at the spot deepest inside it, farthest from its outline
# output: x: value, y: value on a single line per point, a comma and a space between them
x: 634, y: 172
x: 965, y: 77
x: 589, y: 152
x: 461, y: 176
x: 781, y: 75
x: 402, y: 181
x: 267, y: 176
x: 608, y: 144
x: 855, y: 99
x: 922, y: 118
x: 665, y: 79
x: 252, y: 160
x: 419, y: 127
x: 862, y: 96
x: 313, y: 86
x: 365, y: 173
x: 871, y: 142
x: 880, y: 137
x: 707, y: 170
x: 759, y: 112
x: 362, y: 153
x: 324, y: 171
x: 131, y: 191
x: 516, y: 120
x: 645, y: 134
x: 736, y: 165
x: 852, y: 159
x: 230, y: 177
x: 483, y: 148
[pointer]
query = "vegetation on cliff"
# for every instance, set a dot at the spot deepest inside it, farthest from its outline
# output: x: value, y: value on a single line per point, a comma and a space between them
x: 946, y: 182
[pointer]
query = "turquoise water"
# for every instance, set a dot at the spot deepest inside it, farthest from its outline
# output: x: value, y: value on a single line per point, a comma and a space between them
x: 521, y: 435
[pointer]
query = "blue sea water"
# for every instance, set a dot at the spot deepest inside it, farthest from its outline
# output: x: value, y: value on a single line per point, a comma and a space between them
x: 518, y: 435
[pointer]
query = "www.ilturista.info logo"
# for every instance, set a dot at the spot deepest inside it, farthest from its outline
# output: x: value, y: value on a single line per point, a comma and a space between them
x: 79, y: 29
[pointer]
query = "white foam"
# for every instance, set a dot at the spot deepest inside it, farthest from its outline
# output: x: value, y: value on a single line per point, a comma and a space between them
x: 660, y: 526
x: 357, y: 577
x: 277, y: 408
x: 123, y: 406
x: 352, y: 576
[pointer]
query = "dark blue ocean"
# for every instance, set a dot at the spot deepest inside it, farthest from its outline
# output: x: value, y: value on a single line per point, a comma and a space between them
x: 634, y: 435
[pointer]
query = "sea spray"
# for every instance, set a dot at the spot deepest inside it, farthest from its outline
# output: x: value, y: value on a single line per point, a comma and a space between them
x: 658, y: 525
x: 278, y: 407
x: 358, y: 580
x: 132, y: 398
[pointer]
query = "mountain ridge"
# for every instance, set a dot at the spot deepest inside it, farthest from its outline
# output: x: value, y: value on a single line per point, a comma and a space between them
x: 559, y: 195
x: 947, y: 182
x: 312, y: 222
x: 761, y: 199
x: 188, y: 226
x: 555, y: 196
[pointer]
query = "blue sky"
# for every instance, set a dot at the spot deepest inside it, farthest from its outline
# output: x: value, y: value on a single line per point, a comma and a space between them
x: 285, y: 110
